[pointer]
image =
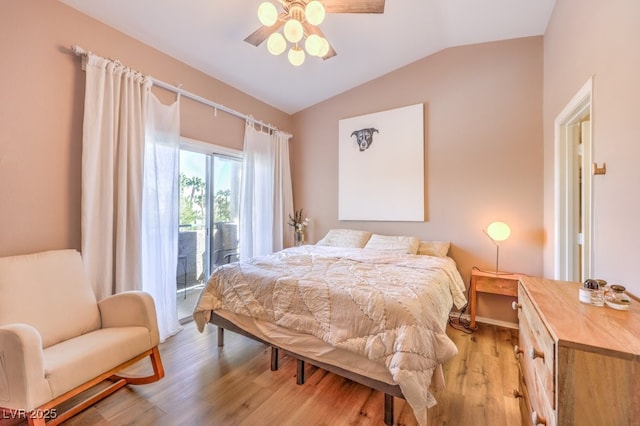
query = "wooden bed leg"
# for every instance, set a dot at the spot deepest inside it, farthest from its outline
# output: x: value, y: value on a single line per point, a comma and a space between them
x: 300, y: 373
x: 220, y: 336
x: 388, y: 409
x: 274, y: 358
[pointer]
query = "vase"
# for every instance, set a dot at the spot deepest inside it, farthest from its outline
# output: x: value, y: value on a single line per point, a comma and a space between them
x: 298, y: 238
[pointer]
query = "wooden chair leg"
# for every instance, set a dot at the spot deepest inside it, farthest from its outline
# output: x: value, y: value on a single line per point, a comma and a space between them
x: 158, y: 371
x: 86, y: 403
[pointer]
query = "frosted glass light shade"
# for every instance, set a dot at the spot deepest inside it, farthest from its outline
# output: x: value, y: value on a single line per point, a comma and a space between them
x: 296, y: 56
x: 293, y: 30
x: 276, y: 44
x: 313, y: 44
x: 267, y: 14
x: 324, y: 48
x: 498, y: 231
x: 314, y: 12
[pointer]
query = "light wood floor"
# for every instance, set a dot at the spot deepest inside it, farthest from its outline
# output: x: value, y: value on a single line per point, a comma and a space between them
x: 233, y: 385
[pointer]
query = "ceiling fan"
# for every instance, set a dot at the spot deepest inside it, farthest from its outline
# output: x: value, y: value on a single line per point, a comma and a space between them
x: 299, y: 20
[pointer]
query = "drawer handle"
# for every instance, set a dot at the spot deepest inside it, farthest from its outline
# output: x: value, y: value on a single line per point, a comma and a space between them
x: 517, y: 350
x: 517, y: 394
x: 515, y: 305
x: 535, y: 353
x: 537, y: 419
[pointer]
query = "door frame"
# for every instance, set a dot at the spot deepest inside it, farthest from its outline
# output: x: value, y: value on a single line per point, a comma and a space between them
x: 565, y: 189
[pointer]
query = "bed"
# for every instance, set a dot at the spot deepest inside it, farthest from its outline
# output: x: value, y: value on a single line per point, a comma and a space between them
x: 370, y: 308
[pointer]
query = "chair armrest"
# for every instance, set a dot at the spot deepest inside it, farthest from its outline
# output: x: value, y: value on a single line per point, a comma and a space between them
x: 130, y: 308
x: 22, y: 381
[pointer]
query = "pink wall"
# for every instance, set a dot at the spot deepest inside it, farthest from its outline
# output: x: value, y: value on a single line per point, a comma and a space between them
x: 487, y: 115
x: 483, y: 127
x: 42, y: 89
x: 588, y: 38
x: 483, y: 154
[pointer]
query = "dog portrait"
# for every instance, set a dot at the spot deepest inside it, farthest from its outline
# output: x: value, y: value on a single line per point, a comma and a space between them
x: 382, y: 181
x: 364, y: 137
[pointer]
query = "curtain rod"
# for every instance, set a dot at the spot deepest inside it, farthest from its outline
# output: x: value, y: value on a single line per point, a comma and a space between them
x: 79, y: 51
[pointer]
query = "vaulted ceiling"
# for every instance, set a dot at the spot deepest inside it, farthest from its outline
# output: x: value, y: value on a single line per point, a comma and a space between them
x: 209, y: 35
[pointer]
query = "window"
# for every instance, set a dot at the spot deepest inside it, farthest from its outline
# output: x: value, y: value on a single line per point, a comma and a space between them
x: 209, y: 183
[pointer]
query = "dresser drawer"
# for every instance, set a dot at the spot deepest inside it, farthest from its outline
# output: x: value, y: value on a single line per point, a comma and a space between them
x: 537, y: 383
x: 524, y: 400
x: 537, y: 359
x: 532, y: 415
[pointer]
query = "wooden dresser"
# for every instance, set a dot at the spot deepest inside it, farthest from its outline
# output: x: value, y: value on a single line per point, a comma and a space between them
x: 579, y: 364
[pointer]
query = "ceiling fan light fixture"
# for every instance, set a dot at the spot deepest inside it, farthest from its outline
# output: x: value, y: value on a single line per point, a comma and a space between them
x: 296, y: 56
x: 314, y: 12
x: 293, y: 30
x: 299, y: 21
x: 276, y: 44
x: 267, y: 13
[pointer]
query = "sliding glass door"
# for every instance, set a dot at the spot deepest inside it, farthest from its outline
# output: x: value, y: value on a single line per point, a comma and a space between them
x: 208, y: 230
x: 226, y: 197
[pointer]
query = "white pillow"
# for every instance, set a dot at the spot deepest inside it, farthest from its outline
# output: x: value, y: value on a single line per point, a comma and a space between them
x: 345, y: 238
x: 434, y: 248
x: 407, y: 245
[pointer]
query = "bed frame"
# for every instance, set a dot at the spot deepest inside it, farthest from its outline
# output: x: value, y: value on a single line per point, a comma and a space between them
x: 389, y: 390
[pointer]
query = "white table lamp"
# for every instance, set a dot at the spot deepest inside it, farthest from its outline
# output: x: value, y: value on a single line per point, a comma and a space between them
x: 498, y: 231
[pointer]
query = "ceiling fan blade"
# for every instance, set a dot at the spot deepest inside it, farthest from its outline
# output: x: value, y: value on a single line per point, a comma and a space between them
x: 330, y: 54
x: 261, y: 34
x: 312, y: 29
x: 354, y: 6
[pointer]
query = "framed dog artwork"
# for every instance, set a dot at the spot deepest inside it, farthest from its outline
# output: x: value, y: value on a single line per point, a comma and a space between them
x: 381, y: 166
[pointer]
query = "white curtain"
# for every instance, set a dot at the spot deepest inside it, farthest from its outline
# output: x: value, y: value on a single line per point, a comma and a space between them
x: 112, y: 164
x: 160, y: 211
x: 283, y: 193
x: 266, y: 197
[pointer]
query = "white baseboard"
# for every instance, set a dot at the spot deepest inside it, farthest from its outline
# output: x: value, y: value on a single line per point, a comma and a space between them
x: 484, y: 320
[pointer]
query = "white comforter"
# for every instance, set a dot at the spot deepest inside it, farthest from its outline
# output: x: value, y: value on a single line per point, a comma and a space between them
x: 392, y: 308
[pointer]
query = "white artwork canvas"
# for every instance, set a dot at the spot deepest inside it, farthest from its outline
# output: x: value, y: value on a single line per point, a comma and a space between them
x: 381, y: 166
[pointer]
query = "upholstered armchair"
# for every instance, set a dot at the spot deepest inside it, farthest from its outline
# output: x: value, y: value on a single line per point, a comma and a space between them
x: 57, y: 341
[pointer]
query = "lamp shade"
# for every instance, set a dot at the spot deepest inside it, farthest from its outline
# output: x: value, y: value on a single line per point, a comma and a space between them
x: 276, y: 44
x: 313, y: 44
x: 293, y: 30
x: 314, y: 12
x: 324, y: 48
x: 267, y: 14
x: 498, y: 231
x: 296, y: 56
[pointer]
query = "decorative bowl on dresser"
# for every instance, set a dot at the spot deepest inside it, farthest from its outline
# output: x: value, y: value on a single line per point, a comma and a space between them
x: 579, y: 363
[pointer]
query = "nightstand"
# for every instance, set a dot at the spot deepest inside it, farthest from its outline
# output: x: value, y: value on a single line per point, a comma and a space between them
x: 503, y: 283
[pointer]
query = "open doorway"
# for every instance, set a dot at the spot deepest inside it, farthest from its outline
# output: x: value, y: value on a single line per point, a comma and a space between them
x: 573, y: 188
